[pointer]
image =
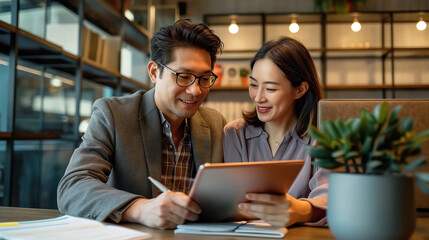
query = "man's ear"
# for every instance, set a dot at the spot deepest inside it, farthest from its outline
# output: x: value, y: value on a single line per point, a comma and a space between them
x: 301, y: 90
x: 153, y: 71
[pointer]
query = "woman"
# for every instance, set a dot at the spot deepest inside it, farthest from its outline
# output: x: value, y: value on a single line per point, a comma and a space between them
x: 285, y: 90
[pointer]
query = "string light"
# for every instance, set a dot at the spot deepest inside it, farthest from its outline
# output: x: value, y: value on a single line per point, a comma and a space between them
x: 233, y: 28
x: 421, y: 24
x: 293, y: 27
x: 356, y: 25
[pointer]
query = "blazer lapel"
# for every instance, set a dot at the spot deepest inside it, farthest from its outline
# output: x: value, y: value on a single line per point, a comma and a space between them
x: 201, y: 140
x: 150, y: 128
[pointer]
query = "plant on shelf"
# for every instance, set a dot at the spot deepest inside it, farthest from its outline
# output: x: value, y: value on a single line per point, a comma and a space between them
x: 338, y: 6
x: 375, y: 151
x: 244, y: 74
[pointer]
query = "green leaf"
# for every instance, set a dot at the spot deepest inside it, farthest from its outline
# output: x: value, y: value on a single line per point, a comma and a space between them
x: 355, y: 125
x: 421, y: 137
x: 407, y: 124
x: 351, y: 154
x: 423, y: 186
x: 342, y: 128
x: 410, y: 150
x: 373, y: 165
x: 423, y: 176
x: 367, y: 146
x: 418, y: 162
x: 338, y: 153
x: 330, y: 128
x: 395, y: 167
x: 329, y: 164
x: 394, y: 114
x: 320, y: 152
x: 318, y: 135
x: 380, y: 112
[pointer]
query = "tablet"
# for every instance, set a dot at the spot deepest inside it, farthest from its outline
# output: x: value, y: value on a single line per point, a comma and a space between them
x: 219, y: 187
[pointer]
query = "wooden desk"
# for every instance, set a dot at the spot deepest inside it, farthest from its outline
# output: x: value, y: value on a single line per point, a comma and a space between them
x: 296, y: 233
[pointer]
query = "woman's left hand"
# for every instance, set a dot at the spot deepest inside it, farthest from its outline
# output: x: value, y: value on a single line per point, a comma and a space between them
x: 277, y: 210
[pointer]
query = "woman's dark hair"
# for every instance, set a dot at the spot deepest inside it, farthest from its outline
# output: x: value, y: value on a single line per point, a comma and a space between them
x: 184, y: 34
x: 294, y: 60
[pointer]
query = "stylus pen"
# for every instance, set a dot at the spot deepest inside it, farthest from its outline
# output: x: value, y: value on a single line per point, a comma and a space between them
x: 159, y: 185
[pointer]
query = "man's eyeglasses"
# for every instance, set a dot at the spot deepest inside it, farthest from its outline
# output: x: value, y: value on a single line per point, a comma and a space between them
x: 187, y: 79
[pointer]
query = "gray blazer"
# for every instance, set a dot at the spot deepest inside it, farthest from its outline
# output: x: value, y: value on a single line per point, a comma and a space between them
x: 121, y: 148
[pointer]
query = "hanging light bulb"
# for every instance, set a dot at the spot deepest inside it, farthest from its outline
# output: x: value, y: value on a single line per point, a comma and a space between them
x: 356, y: 25
x: 233, y: 28
x: 293, y: 27
x: 421, y: 24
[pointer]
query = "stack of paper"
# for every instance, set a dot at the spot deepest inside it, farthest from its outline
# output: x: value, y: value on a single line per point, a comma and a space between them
x: 256, y: 229
x: 65, y: 228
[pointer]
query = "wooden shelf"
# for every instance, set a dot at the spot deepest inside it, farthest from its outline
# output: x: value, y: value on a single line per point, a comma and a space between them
x: 30, y: 135
x: 37, y: 50
x: 5, y: 135
x: 229, y: 88
x: 105, y: 17
x: 132, y: 85
x: 369, y: 87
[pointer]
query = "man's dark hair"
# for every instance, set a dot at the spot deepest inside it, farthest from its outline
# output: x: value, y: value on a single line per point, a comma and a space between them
x: 184, y: 34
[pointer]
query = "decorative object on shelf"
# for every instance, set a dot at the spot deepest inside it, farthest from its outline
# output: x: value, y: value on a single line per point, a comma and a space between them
x: 374, y: 199
x: 233, y: 28
x: 421, y: 24
x: 338, y: 6
x: 231, y: 76
x: 293, y: 27
x: 218, y: 71
x: 244, y: 74
x: 356, y: 27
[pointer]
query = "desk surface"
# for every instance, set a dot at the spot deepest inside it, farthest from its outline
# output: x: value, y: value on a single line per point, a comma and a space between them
x: 8, y: 214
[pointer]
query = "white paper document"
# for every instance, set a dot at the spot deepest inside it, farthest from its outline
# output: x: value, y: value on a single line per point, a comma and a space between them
x: 256, y: 229
x: 68, y: 227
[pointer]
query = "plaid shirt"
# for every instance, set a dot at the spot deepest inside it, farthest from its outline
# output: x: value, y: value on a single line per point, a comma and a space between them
x: 177, y: 172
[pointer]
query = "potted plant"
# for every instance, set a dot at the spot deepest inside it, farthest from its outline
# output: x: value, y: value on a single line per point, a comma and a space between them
x: 244, y: 74
x: 374, y: 198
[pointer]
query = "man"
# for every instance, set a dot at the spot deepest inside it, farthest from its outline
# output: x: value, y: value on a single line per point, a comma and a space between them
x: 162, y: 133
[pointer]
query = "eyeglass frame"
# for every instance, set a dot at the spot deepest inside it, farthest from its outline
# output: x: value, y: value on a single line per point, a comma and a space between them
x: 195, y: 76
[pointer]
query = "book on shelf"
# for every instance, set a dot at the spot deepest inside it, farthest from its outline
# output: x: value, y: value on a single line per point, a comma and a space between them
x: 246, y: 229
x: 110, y: 53
x: 67, y: 228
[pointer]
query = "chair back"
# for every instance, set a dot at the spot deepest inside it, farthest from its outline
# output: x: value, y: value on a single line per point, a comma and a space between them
x: 418, y: 109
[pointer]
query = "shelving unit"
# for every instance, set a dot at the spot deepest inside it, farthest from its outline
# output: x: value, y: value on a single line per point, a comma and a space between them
x: 321, y: 34
x: 33, y: 55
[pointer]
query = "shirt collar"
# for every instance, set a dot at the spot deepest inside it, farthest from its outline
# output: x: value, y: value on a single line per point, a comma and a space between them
x: 165, y: 123
x: 254, y: 132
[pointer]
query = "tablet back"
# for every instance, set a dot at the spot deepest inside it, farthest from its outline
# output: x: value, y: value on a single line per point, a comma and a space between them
x: 219, y: 187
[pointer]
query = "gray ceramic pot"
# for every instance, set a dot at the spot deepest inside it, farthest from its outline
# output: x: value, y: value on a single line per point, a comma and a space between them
x: 371, y: 206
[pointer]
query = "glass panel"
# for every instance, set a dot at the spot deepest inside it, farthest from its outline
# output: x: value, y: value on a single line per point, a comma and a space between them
x: 349, y: 71
x: 59, y: 103
x: 63, y: 27
x: 91, y: 92
x: 2, y: 169
x: 309, y: 33
x: 32, y: 16
x: 249, y: 37
x: 133, y: 64
x: 5, y: 11
x: 47, y: 105
x: 339, y: 35
x: 411, y: 71
x: 28, y: 115
x: 4, y: 82
x: 39, y: 167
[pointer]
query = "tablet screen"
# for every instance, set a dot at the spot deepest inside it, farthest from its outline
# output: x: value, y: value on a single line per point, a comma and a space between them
x: 219, y: 187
